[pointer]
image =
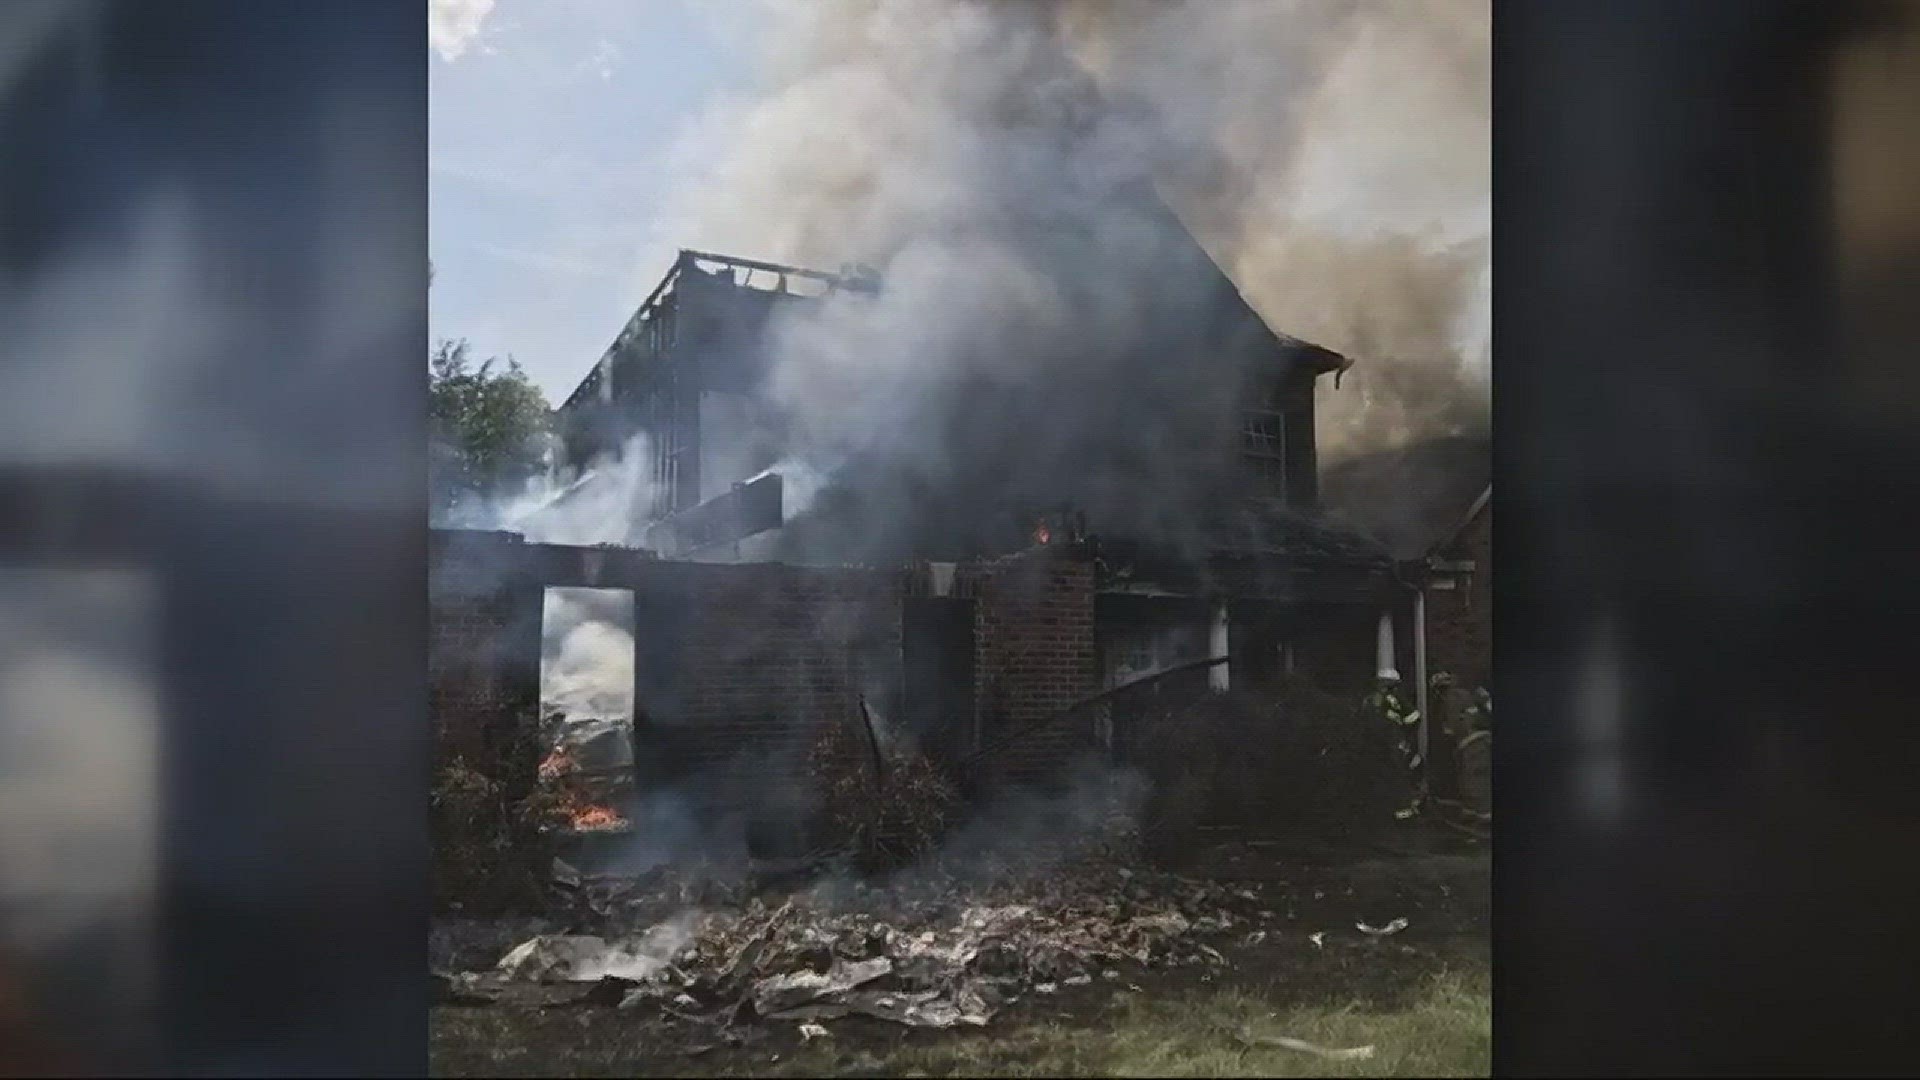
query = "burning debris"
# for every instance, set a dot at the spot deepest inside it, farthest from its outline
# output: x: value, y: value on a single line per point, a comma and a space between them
x: 594, y: 818
x: 587, y: 770
x: 919, y: 950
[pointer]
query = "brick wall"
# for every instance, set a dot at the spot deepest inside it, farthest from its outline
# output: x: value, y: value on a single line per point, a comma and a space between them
x: 1460, y: 620
x: 483, y: 653
x: 736, y: 667
x: 1034, y: 654
x: 771, y: 652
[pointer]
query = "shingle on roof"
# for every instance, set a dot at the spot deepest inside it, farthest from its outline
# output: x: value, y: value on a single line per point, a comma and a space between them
x: 1265, y: 529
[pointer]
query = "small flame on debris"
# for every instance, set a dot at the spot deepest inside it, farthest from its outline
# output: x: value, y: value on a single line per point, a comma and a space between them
x: 556, y: 764
x: 1042, y: 534
x: 592, y: 818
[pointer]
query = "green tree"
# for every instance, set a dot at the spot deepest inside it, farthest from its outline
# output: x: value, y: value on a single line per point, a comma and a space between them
x: 488, y: 424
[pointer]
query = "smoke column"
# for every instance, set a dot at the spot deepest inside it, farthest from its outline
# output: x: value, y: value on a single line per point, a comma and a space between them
x: 1340, y: 169
x: 1333, y: 158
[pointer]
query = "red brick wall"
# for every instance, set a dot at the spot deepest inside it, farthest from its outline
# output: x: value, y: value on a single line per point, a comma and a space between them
x: 1460, y: 620
x: 772, y: 652
x: 1034, y: 655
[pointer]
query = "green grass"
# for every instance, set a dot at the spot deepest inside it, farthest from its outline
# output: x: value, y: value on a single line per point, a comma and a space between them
x: 1445, y: 1029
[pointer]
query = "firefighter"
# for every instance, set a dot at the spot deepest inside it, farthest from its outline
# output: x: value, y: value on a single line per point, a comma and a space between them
x: 1461, y: 757
x: 1449, y: 705
x: 1389, y: 701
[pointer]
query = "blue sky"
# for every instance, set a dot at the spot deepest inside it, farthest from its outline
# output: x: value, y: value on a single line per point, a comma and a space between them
x: 554, y: 129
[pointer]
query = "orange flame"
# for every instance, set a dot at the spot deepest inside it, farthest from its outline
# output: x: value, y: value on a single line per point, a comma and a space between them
x: 579, y: 814
x: 1042, y: 534
x: 591, y: 818
x: 556, y: 765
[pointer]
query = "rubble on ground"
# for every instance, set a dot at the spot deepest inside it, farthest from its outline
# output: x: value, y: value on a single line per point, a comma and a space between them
x: 925, y: 950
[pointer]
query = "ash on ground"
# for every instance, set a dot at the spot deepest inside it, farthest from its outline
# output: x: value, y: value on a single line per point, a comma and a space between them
x: 929, y: 947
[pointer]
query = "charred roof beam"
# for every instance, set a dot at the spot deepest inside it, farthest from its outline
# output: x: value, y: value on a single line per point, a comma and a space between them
x: 851, y: 279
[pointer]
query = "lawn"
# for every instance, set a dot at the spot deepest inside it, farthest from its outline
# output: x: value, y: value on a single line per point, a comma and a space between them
x: 1443, y: 1030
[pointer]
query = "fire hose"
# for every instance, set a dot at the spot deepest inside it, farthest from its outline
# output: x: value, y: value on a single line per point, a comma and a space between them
x: 1078, y: 707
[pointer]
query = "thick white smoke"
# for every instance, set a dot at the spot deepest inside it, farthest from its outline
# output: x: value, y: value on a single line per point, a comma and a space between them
x: 1332, y: 156
x: 1034, y: 286
x: 1044, y: 329
x: 608, y: 503
x: 586, y: 666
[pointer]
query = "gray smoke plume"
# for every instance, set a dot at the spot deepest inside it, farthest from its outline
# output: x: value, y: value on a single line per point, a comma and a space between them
x: 586, y: 668
x: 1004, y: 166
x: 1339, y: 167
x: 605, y: 504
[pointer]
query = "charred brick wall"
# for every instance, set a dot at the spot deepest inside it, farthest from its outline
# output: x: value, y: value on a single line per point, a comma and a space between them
x: 735, y: 669
x: 1460, y: 619
x: 741, y: 660
x: 483, y: 656
x: 1034, y: 655
x: 771, y: 652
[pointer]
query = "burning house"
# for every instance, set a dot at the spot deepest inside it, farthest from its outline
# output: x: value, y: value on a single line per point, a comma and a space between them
x: 1219, y: 546
x: 970, y: 606
x: 895, y: 639
x: 1045, y: 451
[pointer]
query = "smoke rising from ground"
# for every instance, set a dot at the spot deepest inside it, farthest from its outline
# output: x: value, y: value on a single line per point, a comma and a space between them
x: 1094, y: 805
x: 1333, y: 157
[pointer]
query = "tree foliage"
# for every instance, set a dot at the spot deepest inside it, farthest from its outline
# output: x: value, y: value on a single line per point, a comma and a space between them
x: 488, y: 424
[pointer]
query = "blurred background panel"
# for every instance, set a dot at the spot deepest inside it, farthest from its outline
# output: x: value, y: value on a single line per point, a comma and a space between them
x: 212, y: 746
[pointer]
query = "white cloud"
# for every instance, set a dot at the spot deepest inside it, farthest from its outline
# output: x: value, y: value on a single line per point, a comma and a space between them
x: 452, y: 25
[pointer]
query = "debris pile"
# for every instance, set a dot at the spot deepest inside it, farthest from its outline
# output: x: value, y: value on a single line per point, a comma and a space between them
x: 921, y: 951
x: 587, y: 772
x: 881, y: 801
